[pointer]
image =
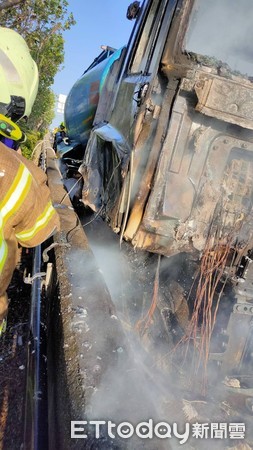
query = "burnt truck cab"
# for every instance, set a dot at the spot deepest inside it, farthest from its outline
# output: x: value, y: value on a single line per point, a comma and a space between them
x: 175, y: 128
x: 169, y: 161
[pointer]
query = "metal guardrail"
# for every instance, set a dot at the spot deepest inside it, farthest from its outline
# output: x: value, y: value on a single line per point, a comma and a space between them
x: 35, y: 409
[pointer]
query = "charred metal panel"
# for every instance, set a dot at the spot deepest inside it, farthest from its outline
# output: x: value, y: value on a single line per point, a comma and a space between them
x: 103, y: 168
x: 201, y: 167
x: 172, y: 165
x: 228, y: 100
x: 237, y: 332
x: 179, y: 189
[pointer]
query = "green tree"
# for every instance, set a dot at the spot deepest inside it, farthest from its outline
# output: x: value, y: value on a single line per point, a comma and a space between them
x: 43, y: 110
x: 33, y: 19
x: 5, y: 4
x: 41, y: 23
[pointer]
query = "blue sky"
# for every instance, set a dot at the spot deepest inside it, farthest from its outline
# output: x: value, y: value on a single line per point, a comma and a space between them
x: 99, y: 22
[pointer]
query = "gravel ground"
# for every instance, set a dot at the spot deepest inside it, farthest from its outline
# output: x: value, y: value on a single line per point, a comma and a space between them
x: 13, y: 360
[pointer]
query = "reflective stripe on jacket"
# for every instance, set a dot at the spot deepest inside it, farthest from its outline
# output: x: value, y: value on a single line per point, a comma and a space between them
x: 27, y: 215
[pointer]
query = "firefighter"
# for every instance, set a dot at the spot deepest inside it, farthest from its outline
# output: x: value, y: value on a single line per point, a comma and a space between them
x: 27, y: 216
x: 59, y: 136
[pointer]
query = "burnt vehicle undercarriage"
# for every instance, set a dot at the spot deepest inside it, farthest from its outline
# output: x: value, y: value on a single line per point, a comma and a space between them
x: 187, y: 185
x: 192, y: 311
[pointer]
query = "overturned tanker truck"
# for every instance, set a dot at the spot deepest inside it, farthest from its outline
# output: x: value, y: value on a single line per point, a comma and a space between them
x: 161, y: 131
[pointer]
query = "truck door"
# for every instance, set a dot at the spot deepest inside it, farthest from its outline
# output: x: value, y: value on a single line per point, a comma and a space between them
x: 141, y: 63
x: 126, y: 110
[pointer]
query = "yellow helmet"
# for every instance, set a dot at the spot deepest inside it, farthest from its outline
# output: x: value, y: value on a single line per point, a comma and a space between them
x: 18, y: 75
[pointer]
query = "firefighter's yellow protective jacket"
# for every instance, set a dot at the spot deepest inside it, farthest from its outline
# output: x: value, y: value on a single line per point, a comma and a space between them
x: 27, y: 215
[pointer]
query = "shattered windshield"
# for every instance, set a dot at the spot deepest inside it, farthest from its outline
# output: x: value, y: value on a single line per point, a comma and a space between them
x: 222, y: 30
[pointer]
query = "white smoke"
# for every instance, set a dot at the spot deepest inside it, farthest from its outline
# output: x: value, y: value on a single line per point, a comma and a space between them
x: 223, y: 29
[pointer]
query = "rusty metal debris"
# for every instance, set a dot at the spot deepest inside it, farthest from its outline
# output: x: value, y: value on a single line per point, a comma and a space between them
x: 143, y: 324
